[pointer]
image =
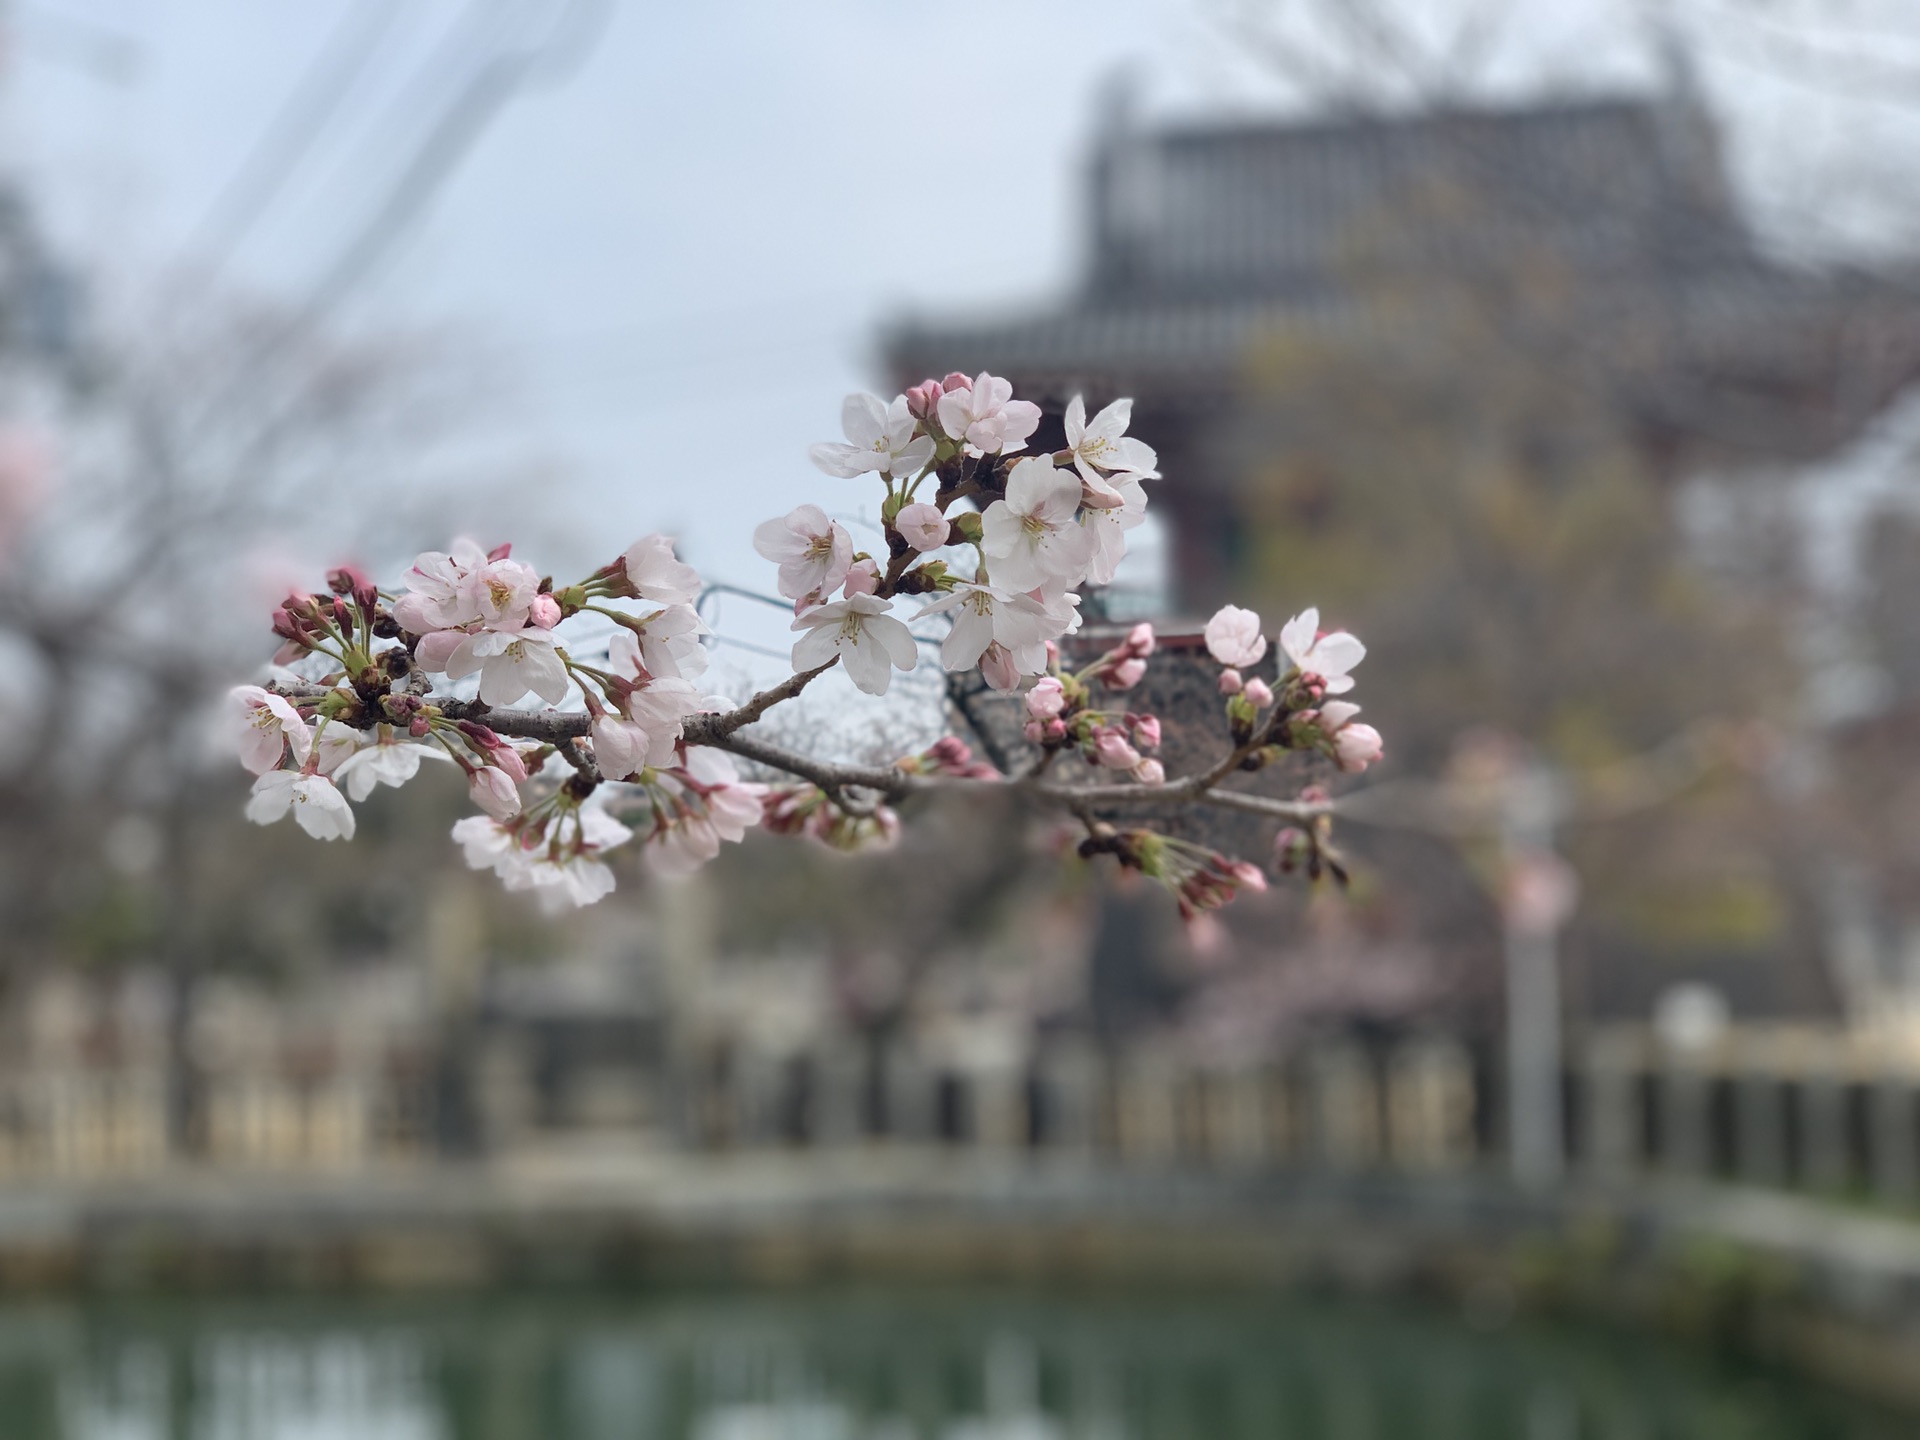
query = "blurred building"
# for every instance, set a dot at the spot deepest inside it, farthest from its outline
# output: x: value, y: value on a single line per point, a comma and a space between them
x: 1603, y: 238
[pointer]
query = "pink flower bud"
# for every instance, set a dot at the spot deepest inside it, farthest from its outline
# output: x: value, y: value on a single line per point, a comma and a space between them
x: 996, y: 664
x: 1146, y: 731
x: 1140, y: 641
x: 1056, y: 729
x: 1259, y: 692
x: 922, y: 526
x: 956, y: 381
x: 1356, y: 747
x: 1150, y: 772
x: 1127, y: 674
x: 419, y: 726
x: 1047, y: 698
x: 862, y: 579
x: 1230, y: 682
x: 922, y: 398
x: 544, y: 613
x: 1249, y: 875
x: 1110, y: 748
x: 1035, y: 731
x: 494, y: 793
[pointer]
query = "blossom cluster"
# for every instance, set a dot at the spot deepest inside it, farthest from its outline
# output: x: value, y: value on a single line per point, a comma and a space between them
x: 1006, y: 570
x: 624, y: 747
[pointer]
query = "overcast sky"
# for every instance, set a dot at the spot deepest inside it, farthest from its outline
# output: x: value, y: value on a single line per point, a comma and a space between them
x: 683, y: 247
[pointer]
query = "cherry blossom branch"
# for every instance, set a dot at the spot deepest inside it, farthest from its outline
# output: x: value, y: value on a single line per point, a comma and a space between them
x: 1004, y: 574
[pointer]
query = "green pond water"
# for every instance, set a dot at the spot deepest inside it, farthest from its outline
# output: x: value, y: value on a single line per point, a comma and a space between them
x: 876, y: 1365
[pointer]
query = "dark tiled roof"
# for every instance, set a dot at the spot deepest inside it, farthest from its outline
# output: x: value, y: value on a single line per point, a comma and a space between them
x: 1606, y: 186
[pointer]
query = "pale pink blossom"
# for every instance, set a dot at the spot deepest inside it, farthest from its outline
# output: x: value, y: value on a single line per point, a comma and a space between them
x: 493, y: 791
x: 661, y: 707
x: 440, y: 593
x: 862, y: 632
x: 567, y: 870
x: 1127, y: 674
x: 487, y: 844
x: 502, y: 591
x: 1330, y: 657
x: 264, y: 725
x: 657, y: 575
x: 1234, y: 638
x: 665, y: 644
x: 620, y: 746
x: 863, y: 578
x: 1150, y: 772
x: 985, y: 415
x: 880, y: 436
x: 1123, y: 508
x: 922, y: 526
x: 382, y: 757
x: 318, y: 807
x: 1006, y: 634
x: 1047, y: 698
x: 510, y: 664
x: 813, y: 552
x: 1030, y: 538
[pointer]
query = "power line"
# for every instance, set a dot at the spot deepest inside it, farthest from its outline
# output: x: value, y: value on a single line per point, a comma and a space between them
x: 288, y: 140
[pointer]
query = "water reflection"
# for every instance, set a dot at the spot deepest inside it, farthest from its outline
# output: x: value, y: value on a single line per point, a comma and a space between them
x: 872, y: 1366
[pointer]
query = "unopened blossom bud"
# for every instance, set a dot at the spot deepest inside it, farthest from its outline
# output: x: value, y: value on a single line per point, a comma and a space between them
x: 1035, y: 731
x: 863, y: 578
x: 1140, y: 641
x: 494, y: 792
x: 1150, y: 772
x: 544, y: 613
x: 922, y: 526
x: 1259, y: 693
x: 1230, y: 682
x: 1056, y: 729
x: 1127, y: 674
x: 1249, y: 874
x: 1110, y: 748
x: 1047, y: 698
x: 419, y: 726
x: 950, y: 752
x: 1356, y: 747
x: 997, y: 667
x: 956, y: 381
x: 1145, y: 730
x: 922, y: 398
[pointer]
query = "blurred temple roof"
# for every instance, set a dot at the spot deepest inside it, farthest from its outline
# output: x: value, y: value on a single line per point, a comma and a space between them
x: 1208, y: 241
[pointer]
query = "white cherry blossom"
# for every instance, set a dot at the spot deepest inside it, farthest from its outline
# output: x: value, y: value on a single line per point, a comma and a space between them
x: 813, y: 552
x: 665, y: 644
x: 382, y: 758
x: 987, y: 417
x: 657, y: 575
x: 863, y: 633
x: 501, y: 592
x: 620, y: 745
x: 660, y: 707
x: 1030, y: 538
x: 1330, y: 657
x: 264, y: 725
x: 1012, y: 629
x: 879, y: 437
x: 439, y: 594
x: 1101, y: 447
x: 318, y: 807
x: 1233, y: 636
x: 1106, y: 528
x: 510, y: 664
